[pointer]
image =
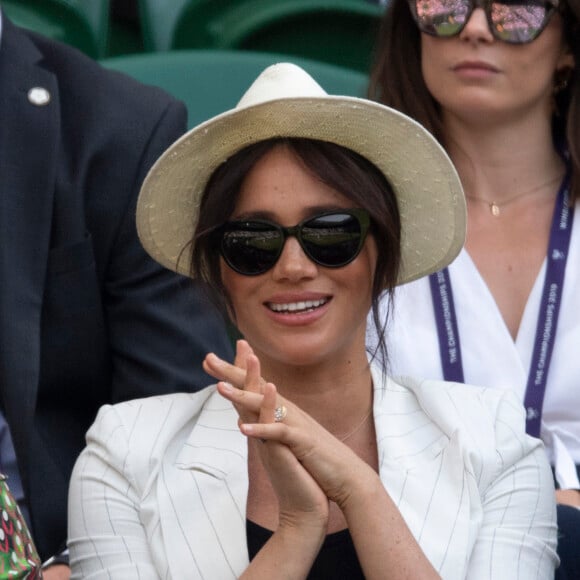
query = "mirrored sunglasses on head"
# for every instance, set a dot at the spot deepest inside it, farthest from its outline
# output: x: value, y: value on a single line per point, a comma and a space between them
x: 330, y: 239
x: 512, y: 21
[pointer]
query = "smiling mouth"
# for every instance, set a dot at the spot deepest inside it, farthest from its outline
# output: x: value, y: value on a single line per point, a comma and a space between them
x: 297, y: 307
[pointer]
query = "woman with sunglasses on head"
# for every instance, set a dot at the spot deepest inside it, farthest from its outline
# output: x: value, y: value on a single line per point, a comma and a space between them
x: 299, y: 209
x: 498, y: 84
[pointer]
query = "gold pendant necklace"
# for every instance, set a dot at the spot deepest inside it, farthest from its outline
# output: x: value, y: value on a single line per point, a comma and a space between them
x: 495, y: 208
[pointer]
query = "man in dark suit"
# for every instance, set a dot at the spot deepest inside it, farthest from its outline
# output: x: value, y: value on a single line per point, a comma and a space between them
x: 86, y: 317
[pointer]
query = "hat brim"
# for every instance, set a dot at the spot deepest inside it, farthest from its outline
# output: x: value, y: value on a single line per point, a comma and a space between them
x: 429, y: 194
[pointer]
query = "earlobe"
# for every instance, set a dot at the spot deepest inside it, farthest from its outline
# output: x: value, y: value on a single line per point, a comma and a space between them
x: 564, y: 70
x: 566, y: 61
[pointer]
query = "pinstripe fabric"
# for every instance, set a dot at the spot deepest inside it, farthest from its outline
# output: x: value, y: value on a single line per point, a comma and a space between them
x: 160, y: 491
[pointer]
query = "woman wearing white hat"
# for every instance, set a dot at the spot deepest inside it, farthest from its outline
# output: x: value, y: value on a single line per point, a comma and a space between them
x: 299, y: 209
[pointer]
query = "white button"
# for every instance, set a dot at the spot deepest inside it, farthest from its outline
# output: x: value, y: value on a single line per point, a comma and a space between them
x: 39, y: 96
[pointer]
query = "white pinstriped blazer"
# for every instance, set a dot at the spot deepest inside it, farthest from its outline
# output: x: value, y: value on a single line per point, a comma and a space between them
x: 160, y: 491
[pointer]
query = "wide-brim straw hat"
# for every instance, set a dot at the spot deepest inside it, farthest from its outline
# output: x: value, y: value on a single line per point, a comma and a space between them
x: 284, y: 101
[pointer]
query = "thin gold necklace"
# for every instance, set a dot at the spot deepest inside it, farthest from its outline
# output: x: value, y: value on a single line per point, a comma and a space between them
x: 495, y: 208
x: 357, y: 427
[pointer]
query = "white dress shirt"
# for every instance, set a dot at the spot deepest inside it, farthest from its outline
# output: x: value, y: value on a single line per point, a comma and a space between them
x: 161, y: 489
x: 491, y: 358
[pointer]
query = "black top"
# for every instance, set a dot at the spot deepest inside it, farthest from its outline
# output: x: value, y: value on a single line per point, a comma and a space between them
x: 337, y: 558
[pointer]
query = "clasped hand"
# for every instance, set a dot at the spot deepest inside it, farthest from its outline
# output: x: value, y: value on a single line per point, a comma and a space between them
x: 306, y: 464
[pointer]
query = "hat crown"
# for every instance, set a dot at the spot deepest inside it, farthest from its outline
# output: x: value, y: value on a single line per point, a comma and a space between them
x: 281, y: 81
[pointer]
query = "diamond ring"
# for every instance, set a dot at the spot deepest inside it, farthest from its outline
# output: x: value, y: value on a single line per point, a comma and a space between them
x: 280, y: 413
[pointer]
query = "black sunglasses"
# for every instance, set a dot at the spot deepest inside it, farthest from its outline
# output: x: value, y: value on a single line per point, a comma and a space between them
x: 512, y: 21
x: 331, y: 239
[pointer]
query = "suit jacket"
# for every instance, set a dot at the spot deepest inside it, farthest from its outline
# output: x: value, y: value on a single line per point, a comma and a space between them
x: 86, y: 317
x: 160, y: 491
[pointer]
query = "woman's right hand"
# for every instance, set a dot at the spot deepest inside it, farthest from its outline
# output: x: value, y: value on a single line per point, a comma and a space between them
x: 303, y: 511
x: 303, y: 508
x: 301, y: 500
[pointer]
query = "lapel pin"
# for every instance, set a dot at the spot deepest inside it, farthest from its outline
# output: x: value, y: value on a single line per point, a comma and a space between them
x: 39, y: 96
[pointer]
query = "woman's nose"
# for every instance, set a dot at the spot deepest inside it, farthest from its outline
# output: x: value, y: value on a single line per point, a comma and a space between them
x: 477, y: 28
x: 293, y: 263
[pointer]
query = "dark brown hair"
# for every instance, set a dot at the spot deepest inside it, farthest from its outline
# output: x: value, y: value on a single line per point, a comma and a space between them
x: 396, y: 79
x: 342, y: 169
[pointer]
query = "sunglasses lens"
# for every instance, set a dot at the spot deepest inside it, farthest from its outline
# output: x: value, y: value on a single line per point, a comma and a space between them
x: 441, y: 17
x: 332, y: 240
x: 251, y: 248
x: 518, y: 22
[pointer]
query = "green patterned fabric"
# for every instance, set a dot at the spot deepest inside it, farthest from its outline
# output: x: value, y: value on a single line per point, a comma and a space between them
x: 18, y: 556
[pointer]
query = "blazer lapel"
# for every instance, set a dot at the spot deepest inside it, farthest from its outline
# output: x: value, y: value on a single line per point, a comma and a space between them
x: 204, y: 520
x: 28, y: 149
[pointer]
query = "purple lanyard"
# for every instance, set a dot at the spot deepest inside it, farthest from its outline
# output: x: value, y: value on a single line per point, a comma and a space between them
x: 446, y: 319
